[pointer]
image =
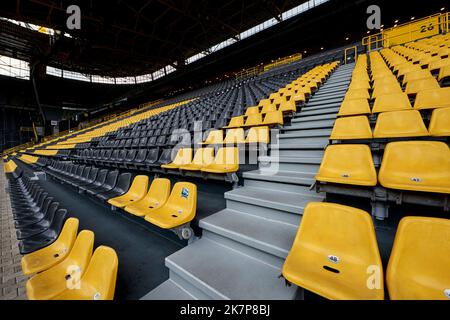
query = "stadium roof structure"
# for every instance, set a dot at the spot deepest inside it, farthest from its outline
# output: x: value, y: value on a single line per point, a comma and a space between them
x: 119, y: 38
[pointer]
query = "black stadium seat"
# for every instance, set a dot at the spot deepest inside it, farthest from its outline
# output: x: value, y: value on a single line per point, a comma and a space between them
x: 121, y: 187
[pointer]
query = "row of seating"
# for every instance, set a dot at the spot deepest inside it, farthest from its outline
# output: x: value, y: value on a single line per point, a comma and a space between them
x: 226, y: 160
x: 406, y: 165
x: 158, y: 204
x: 37, y: 217
x: 60, y: 263
x: 270, y: 111
x: 394, y: 124
x: 335, y: 255
x: 68, y: 270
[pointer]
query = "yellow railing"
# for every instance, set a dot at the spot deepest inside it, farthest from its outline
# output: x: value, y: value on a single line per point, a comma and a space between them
x: 407, y: 32
x: 354, y: 49
x: 282, y: 61
x: 250, y: 72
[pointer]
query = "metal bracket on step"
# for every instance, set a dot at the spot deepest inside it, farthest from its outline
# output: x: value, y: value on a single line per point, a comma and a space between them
x: 379, y: 202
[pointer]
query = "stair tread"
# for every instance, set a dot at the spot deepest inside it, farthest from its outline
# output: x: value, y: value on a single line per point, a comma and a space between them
x: 285, y: 159
x: 228, y: 274
x: 271, y: 236
x: 270, y: 197
x: 168, y: 290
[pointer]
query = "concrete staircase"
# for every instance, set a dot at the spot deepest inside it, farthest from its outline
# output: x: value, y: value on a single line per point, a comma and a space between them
x: 243, y: 247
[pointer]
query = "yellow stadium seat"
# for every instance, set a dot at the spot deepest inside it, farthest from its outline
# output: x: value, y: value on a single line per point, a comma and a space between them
x: 391, y: 102
x: 268, y: 108
x: 351, y: 128
x: 440, y: 123
x: 398, y: 124
x: 258, y: 135
x: 214, y: 137
x: 348, y: 164
x: 288, y: 106
x: 202, y: 158
x: 253, y: 120
x: 299, y: 97
x: 51, y: 282
x: 408, y: 68
x: 136, y: 192
x: 331, y: 255
x: 416, y: 86
x: 416, y: 166
x: 416, y: 75
x: 273, y: 118
x: 357, y: 94
x: 179, y: 209
x: 10, y: 167
x: 264, y: 102
x: 444, y: 72
x: 386, y: 90
x: 234, y: 136
x: 184, y: 156
x: 236, y: 122
x: 432, y: 99
x: 99, y: 280
x: 156, y: 197
x: 225, y: 161
x: 419, y: 264
x: 364, y: 84
x: 47, y: 257
x: 354, y: 107
x: 438, y: 64
x: 251, y: 110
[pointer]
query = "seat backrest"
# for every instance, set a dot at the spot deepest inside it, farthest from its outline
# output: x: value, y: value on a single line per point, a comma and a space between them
x: 93, y: 174
x: 123, y: 182
x: 159, y: 192
x: 407, y: 123
x: 101, y: 273
x: 214, y: 136
x: 183, y: 198
x: 51, y: 211
x: 69, y: 232
x: 416, y: 166
x: 334, y: 248
x: 78, y: 259
x: 101, y: 177
x: 235, y: 135
x: 139, y: 187
x: 227, y: 156
x: 141, y: 155
x: 439, y: 123
x: 253, y: 119
x: 203, y: 156
x: 348, y: 164
x: 419, y: 264
x: 86, y: 172
x: 183, y: 156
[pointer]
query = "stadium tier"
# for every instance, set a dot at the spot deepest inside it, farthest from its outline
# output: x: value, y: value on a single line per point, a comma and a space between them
x: 307, y: 178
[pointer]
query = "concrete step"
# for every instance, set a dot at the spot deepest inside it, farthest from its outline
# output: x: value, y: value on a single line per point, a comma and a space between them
x: 168, y: 290
x: 225, y: 270
x: 293, y: 177
x: 299, y: 145
x: 328, y: 95
x: 321, y: 106
x: 302, y: 132
x: 312, y: 103
x: 314, y: 118
x: 268, y: 235
x: 279, y: 200
x: 293, y: 138
x: 305, y: 113
x: 316, y: 124
x: 294, y: 151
